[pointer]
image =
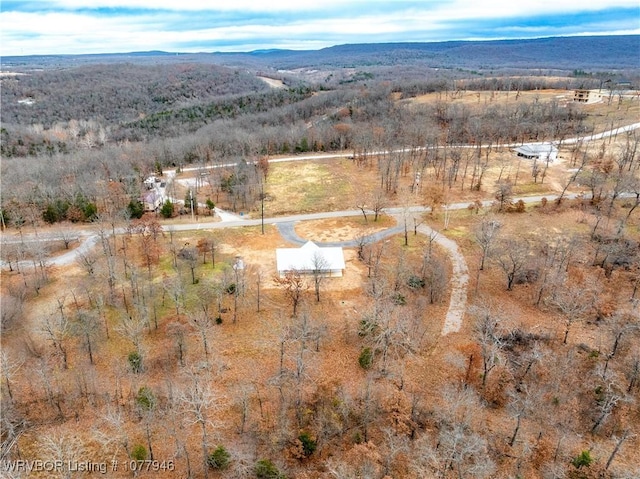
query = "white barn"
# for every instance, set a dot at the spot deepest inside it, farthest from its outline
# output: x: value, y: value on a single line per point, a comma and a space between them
x: 538, y: 151
x: 310, y: 258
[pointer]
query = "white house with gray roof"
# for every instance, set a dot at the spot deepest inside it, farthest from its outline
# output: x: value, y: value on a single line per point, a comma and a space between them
x: 310, y: 258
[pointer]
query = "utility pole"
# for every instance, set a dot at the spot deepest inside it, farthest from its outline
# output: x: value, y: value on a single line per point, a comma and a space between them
x: 262, y: 204
x: 191, y: 196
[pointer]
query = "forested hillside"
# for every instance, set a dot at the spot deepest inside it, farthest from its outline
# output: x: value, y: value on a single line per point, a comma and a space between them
x: 600, y: 53
x: 112, y: 93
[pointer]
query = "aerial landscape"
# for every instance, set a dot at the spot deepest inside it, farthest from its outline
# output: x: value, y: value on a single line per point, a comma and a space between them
x: 364, y: 240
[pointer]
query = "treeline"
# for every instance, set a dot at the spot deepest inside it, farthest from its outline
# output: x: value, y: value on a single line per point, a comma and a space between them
x: 415, y: 87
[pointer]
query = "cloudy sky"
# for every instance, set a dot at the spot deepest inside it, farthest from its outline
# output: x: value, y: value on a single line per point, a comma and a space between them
x: 30, y: 27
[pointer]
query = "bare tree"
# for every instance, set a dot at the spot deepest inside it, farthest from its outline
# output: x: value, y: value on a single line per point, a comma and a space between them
x: 319, y: 265
x: 625, y: 435
x: 504, y: 194
x: 258, y: 290
x: 631, y: 185
x: 49, y: 382
x: 177, y: 332
x: 67, y: 236
x: 378, y: 203
x: 9, y: 368
x: 572, y: 302
x: 190, y: 257
x: 172, y: 245
x: 485, y: 235
x: 463, y: 449
x: 146, y: 405
x: 66, y: 449
x: 111, y: 433
x: 573, y: 177
x: 12, y: 307
x: 87, y: 260
x: 486, y: 332
x: 512, y: 258
x: 620, y: 324
x: 57, y: 328
x: 632, y: 372
x: 293, y: 286
x: 521, y: 404
x: 362, y: 206
x: 86, y: 326
x: 109, y: 252
x: 435, y: 278
x: 198, y: 401
x: 38, y: 251
x: 459, y: 448
x: 201, y: 322
x: 175, y: 288
x: 553, y: 263
x: 388, y: 330
x: 131, y: 327
x: 608, y: 398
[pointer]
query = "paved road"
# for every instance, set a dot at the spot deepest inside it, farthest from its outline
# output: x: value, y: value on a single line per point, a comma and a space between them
x: 287, y: 231
x: 333, y: 156
x: 286, y: 225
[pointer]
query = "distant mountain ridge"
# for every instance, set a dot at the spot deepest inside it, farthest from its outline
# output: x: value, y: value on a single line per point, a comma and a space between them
x: 610, y: 52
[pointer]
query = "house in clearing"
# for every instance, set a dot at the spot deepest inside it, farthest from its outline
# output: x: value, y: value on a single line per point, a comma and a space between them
x: 538, y: 151
x: 309, y: 259
x: 152, y: 200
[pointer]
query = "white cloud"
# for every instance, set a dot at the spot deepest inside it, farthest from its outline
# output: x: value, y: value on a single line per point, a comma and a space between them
x: 201, y: 5
x: 474, y: 8
x: 49, y: 33
x: 64, y: 30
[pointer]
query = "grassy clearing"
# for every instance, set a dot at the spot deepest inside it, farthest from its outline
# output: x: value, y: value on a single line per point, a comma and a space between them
x: 304, y: 186
x: 532, y: 189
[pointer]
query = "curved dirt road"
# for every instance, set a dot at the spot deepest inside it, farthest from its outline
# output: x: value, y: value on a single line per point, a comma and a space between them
x: 460, y: 271
x: 459, y: 281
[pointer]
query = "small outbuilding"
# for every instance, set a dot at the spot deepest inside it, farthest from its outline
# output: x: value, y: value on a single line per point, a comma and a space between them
x: 311, y: 259
x: 587, y: 96
x: 538, y: 151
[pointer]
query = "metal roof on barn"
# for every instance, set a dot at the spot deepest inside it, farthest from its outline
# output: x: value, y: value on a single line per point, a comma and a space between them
x: 538, y: 150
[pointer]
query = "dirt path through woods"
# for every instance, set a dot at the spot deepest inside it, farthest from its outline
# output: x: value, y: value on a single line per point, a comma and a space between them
x: 459, y: 280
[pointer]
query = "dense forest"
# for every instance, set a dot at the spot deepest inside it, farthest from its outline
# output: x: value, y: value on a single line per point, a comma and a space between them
x: 487, y: 324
